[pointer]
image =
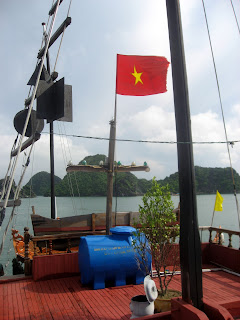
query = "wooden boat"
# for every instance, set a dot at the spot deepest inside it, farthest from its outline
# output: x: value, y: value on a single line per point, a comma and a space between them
x: 88, y: 222
x: 95, y: 221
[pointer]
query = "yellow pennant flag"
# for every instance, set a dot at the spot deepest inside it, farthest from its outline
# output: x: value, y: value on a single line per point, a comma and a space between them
x: 218, y: 202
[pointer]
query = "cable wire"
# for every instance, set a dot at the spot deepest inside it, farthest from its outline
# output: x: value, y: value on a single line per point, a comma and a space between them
x: 61, y: 38
x: 235, y: 16
x: 225, y: 130
x: 70, y: 184
x: 230, y: 142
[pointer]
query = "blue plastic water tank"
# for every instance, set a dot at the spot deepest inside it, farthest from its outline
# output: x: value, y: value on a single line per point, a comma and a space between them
x: 109, y: 258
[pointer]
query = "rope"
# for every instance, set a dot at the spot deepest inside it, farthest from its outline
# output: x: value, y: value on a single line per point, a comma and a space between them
x: 24, y: 131
x: 30, y: 109
x: 16, y: 194
x: 70, y: 186
x: 8, y: 187
x: 235, y: 16
x: 42, y: 43
x: 61, y: 38
x: 232, y: 142
x: 31, y: 186
x: 220, y: 100
x: 9, y: 167
x: 70, y: 157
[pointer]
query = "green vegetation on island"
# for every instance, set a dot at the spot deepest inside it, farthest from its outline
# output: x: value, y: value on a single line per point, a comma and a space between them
x: 39, y: 185
x: 208, y: 180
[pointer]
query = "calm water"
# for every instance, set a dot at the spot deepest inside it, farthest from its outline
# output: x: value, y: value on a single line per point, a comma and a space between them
x: 74, y: 206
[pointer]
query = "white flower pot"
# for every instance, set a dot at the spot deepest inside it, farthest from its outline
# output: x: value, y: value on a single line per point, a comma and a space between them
x: 140, y: 306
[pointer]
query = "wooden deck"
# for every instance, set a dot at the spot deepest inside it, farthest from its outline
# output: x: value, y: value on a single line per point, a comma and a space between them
x: 66, y: 298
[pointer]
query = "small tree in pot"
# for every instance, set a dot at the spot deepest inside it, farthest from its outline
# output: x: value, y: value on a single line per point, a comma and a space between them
x: 158, y: 223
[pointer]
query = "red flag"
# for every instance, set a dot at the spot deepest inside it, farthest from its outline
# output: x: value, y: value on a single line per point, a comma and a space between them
x: 141, y: 75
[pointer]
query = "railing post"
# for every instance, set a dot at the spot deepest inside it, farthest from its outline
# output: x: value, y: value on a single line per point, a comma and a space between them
x: 35, y: 248
x: 50, y: 247
x: 27, y: 261
x: 69, y: 245
x: 220, y: 242
x: 210, y: 235
x: 93, y: 222
x: 130, y: 218
x: 230, y: 240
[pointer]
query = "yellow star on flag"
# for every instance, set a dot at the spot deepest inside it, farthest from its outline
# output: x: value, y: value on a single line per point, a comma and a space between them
x: 137, y: 76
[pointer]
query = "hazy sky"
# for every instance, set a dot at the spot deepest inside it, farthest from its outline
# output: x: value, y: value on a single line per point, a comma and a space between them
x: 87, y: 60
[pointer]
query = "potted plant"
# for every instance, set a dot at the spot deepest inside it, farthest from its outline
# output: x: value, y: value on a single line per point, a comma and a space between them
x: 157, y: 230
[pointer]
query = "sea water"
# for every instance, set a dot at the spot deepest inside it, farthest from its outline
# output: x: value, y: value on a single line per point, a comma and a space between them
x: 67, y: 206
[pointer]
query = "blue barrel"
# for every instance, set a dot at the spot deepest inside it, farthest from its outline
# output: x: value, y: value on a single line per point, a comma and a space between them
x: 110, y: 258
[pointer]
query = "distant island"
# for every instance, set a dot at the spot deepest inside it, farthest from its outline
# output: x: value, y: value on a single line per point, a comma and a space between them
x: 208, y: 180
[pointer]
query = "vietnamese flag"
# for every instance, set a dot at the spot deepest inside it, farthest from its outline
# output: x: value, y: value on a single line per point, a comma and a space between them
x: 141, y: 75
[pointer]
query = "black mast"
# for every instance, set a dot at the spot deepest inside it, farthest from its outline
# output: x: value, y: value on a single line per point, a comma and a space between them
x: 190, y: 246
x: 53, y: 209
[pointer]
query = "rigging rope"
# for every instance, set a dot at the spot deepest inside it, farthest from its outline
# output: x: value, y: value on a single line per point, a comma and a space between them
x: 70, y: 157
x: 9, y: 167
x: 68, y: 175
x: 24, y: 131
x: 31, y: 185
x: 15, y: 197
x: 31, y: 104
x: 220, y: 100
x: 61, y: 38
x: 231, y: 143
x: 235, y: 16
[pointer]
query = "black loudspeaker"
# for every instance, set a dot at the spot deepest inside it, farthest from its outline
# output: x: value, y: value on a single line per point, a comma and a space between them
x: 50, y: 104
x: 34, y: 124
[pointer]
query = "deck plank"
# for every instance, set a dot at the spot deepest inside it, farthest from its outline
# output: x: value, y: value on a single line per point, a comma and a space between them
x: 118, y: 301
x: 79, y: 303
x: 67, y: 299
x: 55, y: 295
x: 69, y: 307
x: 1, y: 298
x: 10, y: 303
x: 220, y: 286
x: 62, y: 308
x: 43, y: 292
x: 117, y: 308
x: 5, y: 305
x: 21, y: 287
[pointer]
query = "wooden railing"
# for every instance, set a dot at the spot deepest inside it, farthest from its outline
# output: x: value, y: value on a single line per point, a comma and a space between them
x: 61, y: 236
x: 69, y: 237
x: 49, y: 239
x: 219, y: 232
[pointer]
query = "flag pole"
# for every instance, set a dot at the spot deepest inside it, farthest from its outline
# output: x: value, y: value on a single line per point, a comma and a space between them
x: 111, y: 152
x: 214, y: 210
x: 213, y: 216
x: 217, y: 205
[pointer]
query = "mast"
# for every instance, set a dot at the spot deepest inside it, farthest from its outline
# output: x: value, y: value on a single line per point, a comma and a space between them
x: 109, y: 169
x: 110, y: 173
x: 190, y: 246
x: 111, y: 153
x: 51, y: 132
x: 53, y: 208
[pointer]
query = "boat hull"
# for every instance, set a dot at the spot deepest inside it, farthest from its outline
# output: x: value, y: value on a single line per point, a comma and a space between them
x: 90, y: 222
